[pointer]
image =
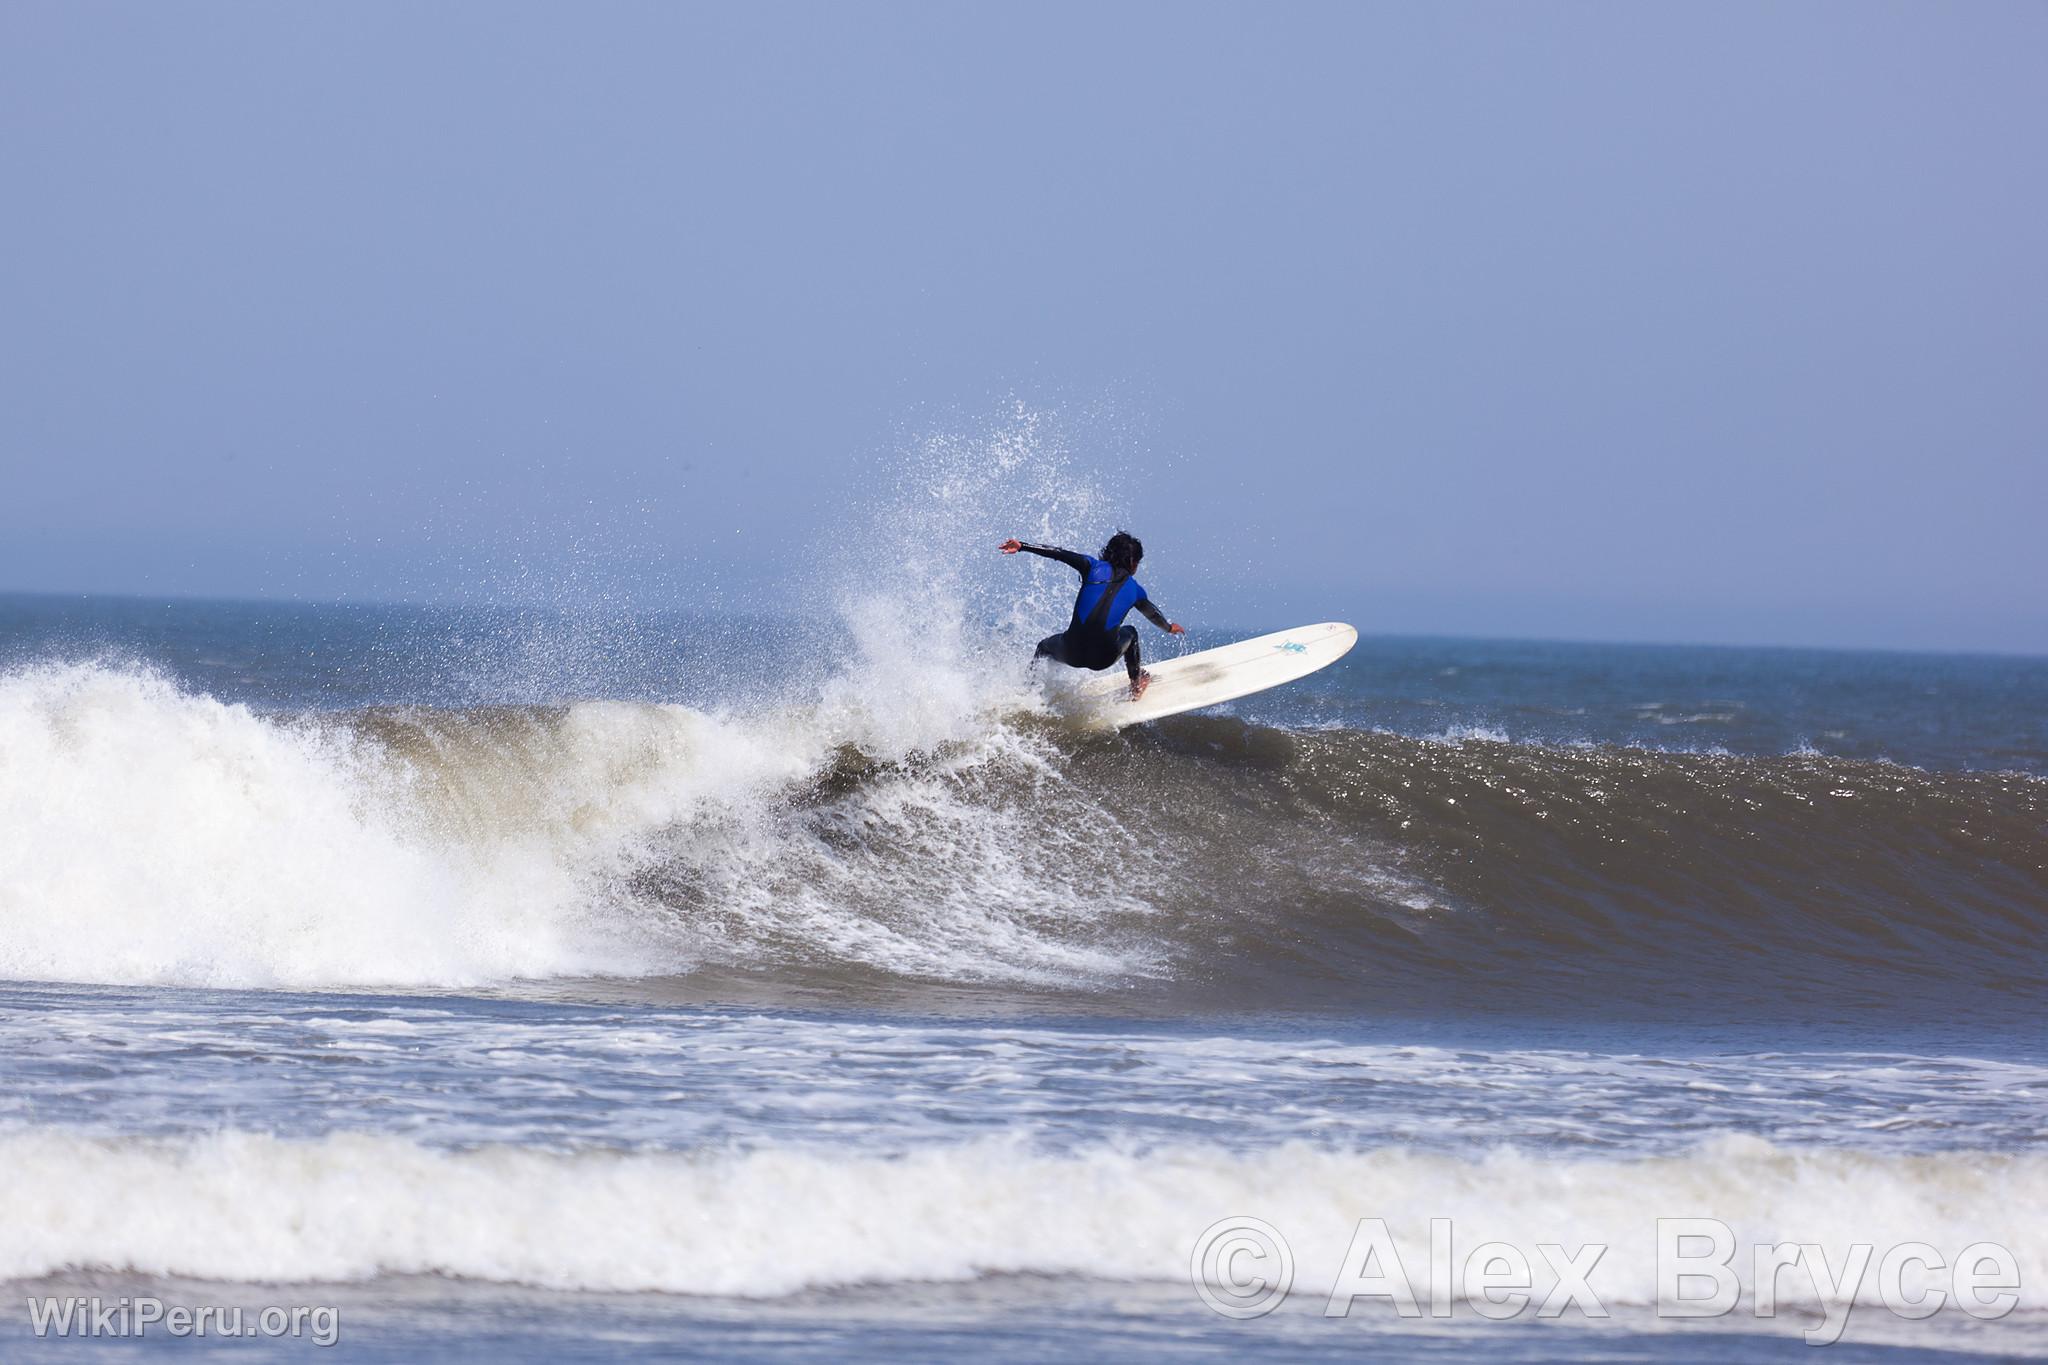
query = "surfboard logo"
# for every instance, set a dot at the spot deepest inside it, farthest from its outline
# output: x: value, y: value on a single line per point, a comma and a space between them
x: 1290, y: 647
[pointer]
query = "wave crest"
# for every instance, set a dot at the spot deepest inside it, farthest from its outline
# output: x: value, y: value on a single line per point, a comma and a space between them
x: 239, y: 1206
x: 152, y: 835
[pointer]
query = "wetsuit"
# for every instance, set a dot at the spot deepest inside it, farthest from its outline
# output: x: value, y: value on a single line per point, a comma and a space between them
x: 1097, y: 636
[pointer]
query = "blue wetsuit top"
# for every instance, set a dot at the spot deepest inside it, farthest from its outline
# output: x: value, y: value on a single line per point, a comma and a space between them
x: 1096, y: 576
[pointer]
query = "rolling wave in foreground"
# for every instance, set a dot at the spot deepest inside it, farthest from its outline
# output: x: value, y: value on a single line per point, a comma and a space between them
x: 238, y: 1206
x: 875, y: 838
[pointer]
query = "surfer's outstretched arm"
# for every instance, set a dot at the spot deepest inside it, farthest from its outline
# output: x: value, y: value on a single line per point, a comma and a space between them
x: 1158, y: 617
x: 1078, y: 563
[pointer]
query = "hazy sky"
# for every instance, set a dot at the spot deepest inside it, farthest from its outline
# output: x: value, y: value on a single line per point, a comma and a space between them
x: 1641, y: 321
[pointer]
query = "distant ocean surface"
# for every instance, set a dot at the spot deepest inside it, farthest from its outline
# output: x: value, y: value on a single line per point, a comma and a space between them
x: 571, y: 984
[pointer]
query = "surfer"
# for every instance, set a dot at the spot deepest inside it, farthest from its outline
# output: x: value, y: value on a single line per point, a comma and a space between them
x: 1097, y: 636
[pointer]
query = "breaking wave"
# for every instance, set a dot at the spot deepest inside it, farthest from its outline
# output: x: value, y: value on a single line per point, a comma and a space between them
x: 149, y: 834
x: 242, y: 1206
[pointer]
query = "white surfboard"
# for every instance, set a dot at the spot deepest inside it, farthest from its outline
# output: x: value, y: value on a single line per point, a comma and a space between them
x: 1212, y: 676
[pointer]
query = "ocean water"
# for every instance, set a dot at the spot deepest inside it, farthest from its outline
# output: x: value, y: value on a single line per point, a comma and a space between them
x: 577, y: 983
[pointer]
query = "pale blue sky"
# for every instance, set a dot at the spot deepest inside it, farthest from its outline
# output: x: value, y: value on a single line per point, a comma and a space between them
x: 1704, y: 322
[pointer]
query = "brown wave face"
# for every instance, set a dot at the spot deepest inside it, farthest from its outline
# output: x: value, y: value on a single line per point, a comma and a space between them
x: 1364, y: 869
x: 1206, y: 863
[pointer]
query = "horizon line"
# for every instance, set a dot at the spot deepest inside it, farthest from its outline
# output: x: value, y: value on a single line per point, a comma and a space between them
x: 446, y: 604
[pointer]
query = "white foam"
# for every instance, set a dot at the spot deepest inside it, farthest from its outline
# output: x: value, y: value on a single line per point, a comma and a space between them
x: 236, y: 1206
x: 150, y: 835
x: 1458, y: 736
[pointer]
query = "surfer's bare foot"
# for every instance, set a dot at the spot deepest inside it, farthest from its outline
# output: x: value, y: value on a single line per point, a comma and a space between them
x: 1139, y: 684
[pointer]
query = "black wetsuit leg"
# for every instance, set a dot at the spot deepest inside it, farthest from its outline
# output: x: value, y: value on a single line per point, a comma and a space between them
x: 1092, y: 650
x: 1054, y: 647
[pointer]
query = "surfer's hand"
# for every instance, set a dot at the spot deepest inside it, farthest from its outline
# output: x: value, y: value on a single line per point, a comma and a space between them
x: 1176, y: 628
x: 1010, y: 547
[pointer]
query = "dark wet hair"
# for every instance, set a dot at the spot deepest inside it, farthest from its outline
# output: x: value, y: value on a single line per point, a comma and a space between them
x: 1124, y: 551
